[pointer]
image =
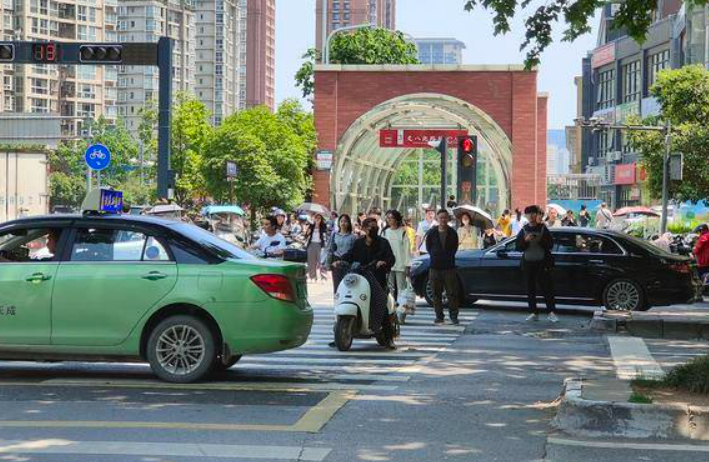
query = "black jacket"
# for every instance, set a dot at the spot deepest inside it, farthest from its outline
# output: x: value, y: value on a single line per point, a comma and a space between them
x: 380, y: 250
x: 442, y: 258
x: 546, y: 242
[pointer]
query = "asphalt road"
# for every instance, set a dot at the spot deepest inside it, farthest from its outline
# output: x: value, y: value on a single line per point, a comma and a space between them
x: 480, y: 392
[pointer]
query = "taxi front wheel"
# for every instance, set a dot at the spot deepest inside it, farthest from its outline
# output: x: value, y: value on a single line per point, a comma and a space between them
x: 181, y: 349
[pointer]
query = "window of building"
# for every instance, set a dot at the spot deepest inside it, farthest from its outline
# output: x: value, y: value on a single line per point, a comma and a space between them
x: 605, y: 143
x: 39, y: 105
x: 656, y: 63
x: 151, y: 25
x: 82, y: 13
x: 631, y: 81
x: 605, y: 89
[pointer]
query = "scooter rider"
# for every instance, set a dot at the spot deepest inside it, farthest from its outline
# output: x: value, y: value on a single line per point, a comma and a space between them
x: 370, y: 249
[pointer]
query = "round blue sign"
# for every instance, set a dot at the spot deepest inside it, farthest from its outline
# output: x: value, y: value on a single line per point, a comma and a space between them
x: 97, y: 157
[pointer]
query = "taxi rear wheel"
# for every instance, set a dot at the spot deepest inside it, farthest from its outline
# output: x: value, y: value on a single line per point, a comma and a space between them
x: 182, y: 349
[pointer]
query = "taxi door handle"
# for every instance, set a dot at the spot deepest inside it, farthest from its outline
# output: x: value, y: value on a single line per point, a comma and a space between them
x: 154, y: 276
x: 36, y: 278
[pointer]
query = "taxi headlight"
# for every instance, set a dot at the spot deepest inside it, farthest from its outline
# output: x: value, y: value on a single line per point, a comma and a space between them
x: 350, y: 281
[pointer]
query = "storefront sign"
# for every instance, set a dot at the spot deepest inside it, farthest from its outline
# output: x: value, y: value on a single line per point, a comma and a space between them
x: 603, y: 55
x: 323, y: 160
x: 606, y: 116
x: 418, y: 138
x: 626, y: 110
x: 625, y: 173
x: 650, y: 107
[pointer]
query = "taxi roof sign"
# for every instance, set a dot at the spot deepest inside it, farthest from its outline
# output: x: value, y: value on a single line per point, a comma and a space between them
x: 103, y: 201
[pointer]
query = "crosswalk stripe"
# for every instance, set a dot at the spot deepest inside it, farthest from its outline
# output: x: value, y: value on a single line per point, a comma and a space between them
x: 339, y: 354
x: 134, y: 448
x: 295, y: 360
x: 292, y: 367
x: 633, y: 359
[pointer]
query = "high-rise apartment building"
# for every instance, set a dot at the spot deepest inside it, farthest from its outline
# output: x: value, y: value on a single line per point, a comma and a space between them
x: 343, y: 13
x: 260, y: 53
x: 71, y: 91
x: 218, y: 53
x: 147, y: 21
x: 440, y: 50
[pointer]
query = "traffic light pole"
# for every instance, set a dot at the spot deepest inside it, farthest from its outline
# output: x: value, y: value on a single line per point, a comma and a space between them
x: 165, y: 97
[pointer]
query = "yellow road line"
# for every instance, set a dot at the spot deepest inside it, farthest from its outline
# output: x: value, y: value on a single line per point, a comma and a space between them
x: 311, y: 422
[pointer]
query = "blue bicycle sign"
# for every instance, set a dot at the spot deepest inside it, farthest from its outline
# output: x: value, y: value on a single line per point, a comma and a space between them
x: 97, y: 157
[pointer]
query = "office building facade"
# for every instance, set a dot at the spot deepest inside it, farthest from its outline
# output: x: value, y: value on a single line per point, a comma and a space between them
x: 345, y: 13
x: 440, y: 51
x: 76, y: 92
x: 615, y: 85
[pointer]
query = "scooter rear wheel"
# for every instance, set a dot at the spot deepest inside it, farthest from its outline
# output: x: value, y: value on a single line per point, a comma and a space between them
x: 344, y: 332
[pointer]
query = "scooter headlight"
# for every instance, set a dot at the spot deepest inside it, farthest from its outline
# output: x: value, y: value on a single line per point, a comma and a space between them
x: 350, y: 281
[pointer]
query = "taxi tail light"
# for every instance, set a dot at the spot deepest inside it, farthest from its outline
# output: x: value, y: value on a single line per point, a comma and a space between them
x: 276, y: 286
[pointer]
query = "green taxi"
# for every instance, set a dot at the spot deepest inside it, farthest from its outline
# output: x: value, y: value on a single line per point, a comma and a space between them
x: 134, y: 288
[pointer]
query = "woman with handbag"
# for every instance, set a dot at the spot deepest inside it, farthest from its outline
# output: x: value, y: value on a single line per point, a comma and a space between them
x: 535, y: 241
x: 341, y: 242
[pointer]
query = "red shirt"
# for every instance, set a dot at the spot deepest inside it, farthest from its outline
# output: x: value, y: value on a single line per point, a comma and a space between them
x: 701, y: 250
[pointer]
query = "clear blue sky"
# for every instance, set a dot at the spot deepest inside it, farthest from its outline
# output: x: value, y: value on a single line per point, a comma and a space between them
x: 295, y: 33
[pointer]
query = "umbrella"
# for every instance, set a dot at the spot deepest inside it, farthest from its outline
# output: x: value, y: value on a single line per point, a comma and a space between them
x: 478, y: 217
x: 167, y: 208
x: 635, y: 211
x: 312, y: 207
x: 213, y: 209
x: 560, y: 210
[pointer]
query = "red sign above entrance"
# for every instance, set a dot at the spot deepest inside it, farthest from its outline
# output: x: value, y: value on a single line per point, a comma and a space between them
x: 417, y: 138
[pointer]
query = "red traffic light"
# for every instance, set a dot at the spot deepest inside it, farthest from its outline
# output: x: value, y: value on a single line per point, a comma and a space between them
x: 468, y: 146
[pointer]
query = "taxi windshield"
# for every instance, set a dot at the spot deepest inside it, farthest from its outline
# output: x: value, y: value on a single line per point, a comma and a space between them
x: 221, y: 248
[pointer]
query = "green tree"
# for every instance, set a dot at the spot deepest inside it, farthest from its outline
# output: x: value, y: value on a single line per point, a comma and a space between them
x: 271, y: 152
x: 684, y: 98
x: 363, y: 46
x: 67, y: 177
x: 191, y: 128
x: 634, y: 16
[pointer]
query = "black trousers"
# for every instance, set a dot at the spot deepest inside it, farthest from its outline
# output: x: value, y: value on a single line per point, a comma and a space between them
x: 448, y: 280
x: 338, y: 274
x: 539, y: 274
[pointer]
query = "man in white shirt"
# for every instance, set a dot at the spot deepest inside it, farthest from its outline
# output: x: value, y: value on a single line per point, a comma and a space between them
x: 428, y: 223
x: 518, y: 222
x: 271, y: 243
x: 604, y: 217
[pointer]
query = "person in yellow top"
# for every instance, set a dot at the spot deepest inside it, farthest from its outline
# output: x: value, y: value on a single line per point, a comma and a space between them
x: 467, y: 234
x: 411, y: 233
x: 504, y: 223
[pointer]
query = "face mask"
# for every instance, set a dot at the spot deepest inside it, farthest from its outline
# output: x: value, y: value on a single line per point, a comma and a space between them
x: 373, y: 232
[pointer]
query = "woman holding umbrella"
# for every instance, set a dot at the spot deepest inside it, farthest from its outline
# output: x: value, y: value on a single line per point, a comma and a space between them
x: 467, y: 233
x: 316, y: 238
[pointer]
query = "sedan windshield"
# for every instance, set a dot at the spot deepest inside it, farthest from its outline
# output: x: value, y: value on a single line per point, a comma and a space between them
x: 219, y: 247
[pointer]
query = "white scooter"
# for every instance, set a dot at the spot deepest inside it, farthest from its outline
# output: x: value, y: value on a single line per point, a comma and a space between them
x: 352, y: 312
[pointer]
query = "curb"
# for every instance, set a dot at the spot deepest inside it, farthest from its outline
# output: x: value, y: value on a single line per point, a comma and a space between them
x: 650, y: 326
x: 588, y: 418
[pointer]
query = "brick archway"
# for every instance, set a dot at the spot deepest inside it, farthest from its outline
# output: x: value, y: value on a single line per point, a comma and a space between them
x: 500, y: 103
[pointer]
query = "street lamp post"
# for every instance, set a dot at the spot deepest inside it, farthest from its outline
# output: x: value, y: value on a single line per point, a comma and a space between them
x: 597, y: 124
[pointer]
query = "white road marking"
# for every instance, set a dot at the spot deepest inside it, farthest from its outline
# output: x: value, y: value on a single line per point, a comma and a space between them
x: 131, y: 448
x: 633, y: 359
x: 295, y: 360
x: 627, y: 445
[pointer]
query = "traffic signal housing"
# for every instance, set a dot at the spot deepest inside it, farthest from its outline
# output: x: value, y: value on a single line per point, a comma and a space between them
x: 7, y: 52
x: 101, y: 54
x: 467, y: 169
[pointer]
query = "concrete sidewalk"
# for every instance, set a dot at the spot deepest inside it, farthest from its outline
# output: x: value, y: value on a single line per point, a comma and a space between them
x: 682, y: 322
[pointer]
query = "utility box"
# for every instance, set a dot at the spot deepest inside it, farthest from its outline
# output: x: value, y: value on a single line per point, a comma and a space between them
x: 24, y: 183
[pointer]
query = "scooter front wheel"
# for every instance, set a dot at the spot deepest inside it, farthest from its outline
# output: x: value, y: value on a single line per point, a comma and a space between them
x: 344, y: 332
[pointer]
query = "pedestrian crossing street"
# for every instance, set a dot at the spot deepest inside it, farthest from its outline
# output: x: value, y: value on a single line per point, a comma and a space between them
x: 367, y: 365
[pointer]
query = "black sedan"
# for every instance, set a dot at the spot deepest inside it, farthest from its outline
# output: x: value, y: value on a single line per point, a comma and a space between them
x: 592, y: 267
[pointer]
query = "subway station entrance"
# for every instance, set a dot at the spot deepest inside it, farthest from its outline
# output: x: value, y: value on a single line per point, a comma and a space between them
x: 374, y: 124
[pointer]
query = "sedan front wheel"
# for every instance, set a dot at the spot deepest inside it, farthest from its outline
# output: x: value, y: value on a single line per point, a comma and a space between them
x: 624, y: 295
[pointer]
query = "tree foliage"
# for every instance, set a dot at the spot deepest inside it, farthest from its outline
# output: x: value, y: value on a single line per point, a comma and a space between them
x: 272, y: 152
x: 363, y: 46
x: 634, y: 16
x: 67, y: 178
x: 684, y: 98
x: 191, y: 128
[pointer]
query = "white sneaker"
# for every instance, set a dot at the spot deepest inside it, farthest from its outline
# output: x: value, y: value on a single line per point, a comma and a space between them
x: 552, y: 318
x: 533, y: 317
